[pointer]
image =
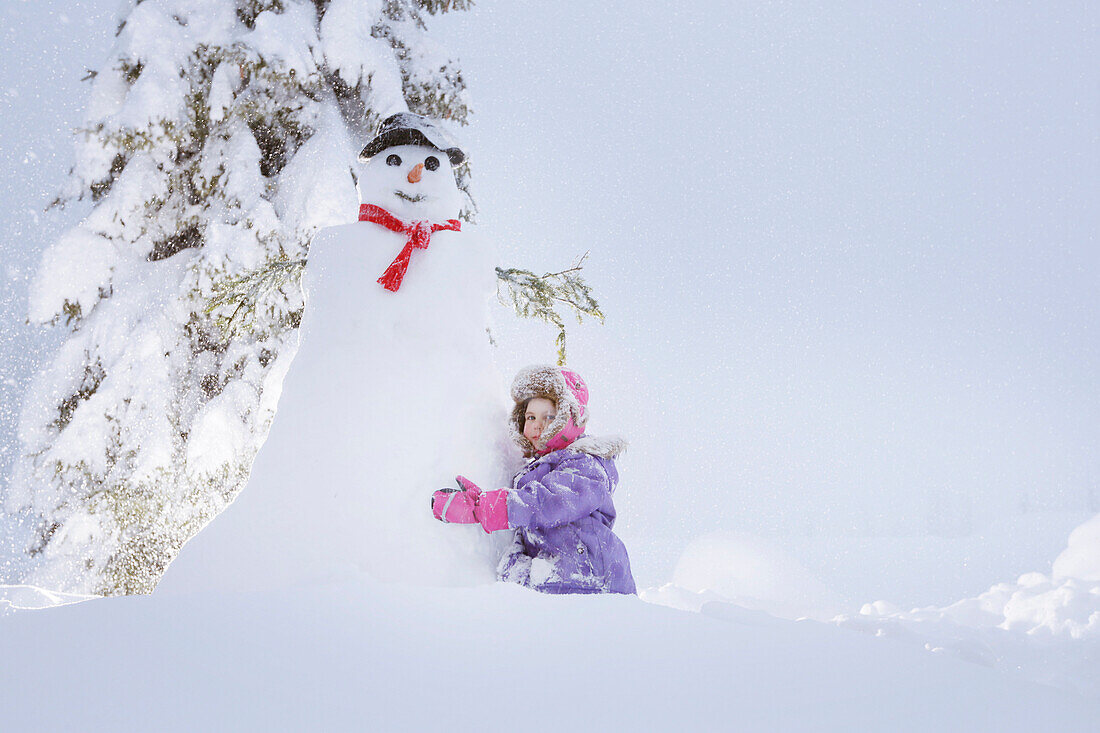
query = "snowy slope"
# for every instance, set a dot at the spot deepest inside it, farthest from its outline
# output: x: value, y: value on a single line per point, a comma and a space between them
x: 365, y: 656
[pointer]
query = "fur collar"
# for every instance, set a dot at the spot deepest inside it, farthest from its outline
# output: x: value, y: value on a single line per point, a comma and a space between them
x: 609, y: 446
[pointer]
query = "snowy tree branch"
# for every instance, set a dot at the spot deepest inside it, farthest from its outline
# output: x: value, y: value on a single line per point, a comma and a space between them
x: 537, y: 296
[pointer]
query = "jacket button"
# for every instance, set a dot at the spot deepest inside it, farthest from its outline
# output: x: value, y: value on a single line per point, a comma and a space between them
x: 580, y: 548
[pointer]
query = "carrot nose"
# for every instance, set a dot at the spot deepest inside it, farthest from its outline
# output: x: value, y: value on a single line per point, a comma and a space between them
x: 414, y: 174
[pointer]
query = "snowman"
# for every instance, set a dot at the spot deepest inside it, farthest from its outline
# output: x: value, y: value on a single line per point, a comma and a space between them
x: 392, y: 392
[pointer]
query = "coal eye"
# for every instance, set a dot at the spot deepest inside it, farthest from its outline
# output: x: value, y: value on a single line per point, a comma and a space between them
x: 393, y: 160
x: 431, y: 162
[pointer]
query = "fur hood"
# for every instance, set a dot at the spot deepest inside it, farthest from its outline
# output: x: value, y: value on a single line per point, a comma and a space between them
x: 568, y: 392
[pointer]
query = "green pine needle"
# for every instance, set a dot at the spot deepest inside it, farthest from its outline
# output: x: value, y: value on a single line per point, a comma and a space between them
x: 541, y: 296
x: 248, y: 294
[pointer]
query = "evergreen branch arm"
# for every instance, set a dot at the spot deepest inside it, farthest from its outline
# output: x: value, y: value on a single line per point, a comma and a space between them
x: 539, y: 296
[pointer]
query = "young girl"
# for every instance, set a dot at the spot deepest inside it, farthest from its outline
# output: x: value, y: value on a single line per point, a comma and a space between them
x: 559, y: 507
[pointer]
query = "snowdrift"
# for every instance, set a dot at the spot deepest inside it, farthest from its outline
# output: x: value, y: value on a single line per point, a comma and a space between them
x: 1044, y: 628
x: 1047, y: 629
x: 1081, y: 559
x: 363, y: 655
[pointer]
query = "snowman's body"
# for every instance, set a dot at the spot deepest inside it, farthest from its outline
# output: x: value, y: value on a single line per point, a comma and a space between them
x: 389, y: 396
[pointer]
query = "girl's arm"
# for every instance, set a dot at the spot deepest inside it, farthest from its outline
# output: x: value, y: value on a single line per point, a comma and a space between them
x: 573, y: 490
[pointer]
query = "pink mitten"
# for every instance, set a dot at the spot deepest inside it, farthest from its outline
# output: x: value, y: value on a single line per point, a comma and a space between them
x: 455, y: 506
x: 471, y: 505
x: 491, y: 507
x: 467, y: 485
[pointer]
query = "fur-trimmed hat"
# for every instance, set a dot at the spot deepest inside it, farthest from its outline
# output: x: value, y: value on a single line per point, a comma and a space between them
x: 570, y: 395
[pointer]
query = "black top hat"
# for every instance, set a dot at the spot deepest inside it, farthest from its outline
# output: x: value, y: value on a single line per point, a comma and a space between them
x: 408, y: 128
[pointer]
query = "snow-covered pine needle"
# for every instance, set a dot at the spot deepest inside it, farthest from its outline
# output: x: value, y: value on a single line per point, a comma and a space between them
x: 247, y: 294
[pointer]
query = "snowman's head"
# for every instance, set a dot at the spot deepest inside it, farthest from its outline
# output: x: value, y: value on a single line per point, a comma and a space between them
x: 410, y: 169
x: 412, y: 182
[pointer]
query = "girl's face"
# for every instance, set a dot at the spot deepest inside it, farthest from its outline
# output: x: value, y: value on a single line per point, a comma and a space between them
x: 540, y: 413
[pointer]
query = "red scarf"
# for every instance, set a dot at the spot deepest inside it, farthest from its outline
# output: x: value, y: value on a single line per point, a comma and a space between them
x: 420, y: 236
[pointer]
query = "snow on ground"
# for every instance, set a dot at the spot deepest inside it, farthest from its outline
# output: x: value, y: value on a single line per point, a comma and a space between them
x: 1045, y: 629
x: 363, y: 655
x: 925, y: 569
x: 725, y: 653
x: 754, y: 573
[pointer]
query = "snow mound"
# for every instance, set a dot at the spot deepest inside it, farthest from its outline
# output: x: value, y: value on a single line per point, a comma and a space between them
x: 1046, y: 628
x: 751, y: 572
x: 1081, y: 559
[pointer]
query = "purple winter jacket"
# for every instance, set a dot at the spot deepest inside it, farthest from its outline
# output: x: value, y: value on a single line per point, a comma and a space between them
x: 561, y: 512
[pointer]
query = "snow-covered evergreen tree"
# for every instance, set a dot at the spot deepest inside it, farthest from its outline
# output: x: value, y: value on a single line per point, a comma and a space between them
x: 220, y: 135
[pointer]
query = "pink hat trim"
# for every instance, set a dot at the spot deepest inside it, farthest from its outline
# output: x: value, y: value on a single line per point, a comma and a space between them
x: 570, y: 432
